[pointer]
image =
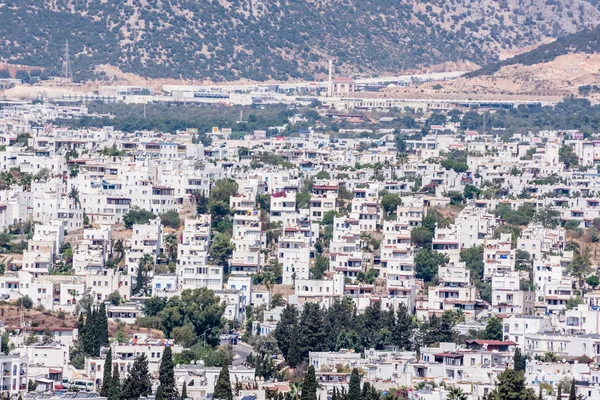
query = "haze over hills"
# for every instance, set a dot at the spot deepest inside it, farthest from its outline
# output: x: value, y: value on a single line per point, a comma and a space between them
x: 284, y: 39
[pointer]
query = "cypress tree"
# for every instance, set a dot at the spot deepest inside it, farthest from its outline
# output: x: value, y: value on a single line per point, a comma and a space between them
x: 294, y: 355
x: 354, y: 387
x: 223, y: 386
x: 572, y: 392
x: 159, y: 393
x: 285, y: 328
x: 106, y: 378
x: 559, y: 393
x: 92, y: 338
x: 96, y: 333
x: 184, y: 391
x: 139, y: 382
x: 365, y: 390
x: 81, y: 332
x: 519, y: 361
x: 88, y: 337
x: 309, y: 385
x: 103, y: 324
x: 114, y: 391
x: 166, y: 376
x: 139, y: 280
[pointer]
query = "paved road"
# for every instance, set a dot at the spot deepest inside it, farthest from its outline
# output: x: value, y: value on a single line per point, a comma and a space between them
x: 240, y: 352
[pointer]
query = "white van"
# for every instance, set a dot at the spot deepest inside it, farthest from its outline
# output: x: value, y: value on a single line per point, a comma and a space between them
x: 83, y: 385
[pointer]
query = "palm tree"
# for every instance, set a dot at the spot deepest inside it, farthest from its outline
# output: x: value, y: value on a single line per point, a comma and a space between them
x: 74, y: 293
x: 74, y: 195
x: 170, y: 246
x: 269, y: 280
x: 456, y: 394
x: 402, y: 158
x: 550, y: 356
x: 295, y: 391
x: 147, y: 262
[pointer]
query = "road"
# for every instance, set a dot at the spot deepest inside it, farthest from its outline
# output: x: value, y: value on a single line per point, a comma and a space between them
x: 240, y: 352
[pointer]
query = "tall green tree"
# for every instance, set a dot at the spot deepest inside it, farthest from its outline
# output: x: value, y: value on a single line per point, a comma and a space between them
x: 139, y: 381
x: 427, y: 263
x: 106, y: 377
x: 511, y: 386
x: 493, y: 329
x: 573, y: 390
x: 567, y: 156
x: 285, y: 327
x: 421, y: 237
x: 115, y: 389
x: 547, y: 216
x: 81, y: 332
x: 334, y: 395
x: 199, y: 307
x: 309, y: 385
x: 223, y: 189
x: 166, y: 377
x: 170, y: 244
x: 92, y: 337
x: 404, y: 328
x: 580, y: 266
x: 221, y: 249
x: 141, y: 281
x: 103, y: 324
x: 223, y: 386
x: 473, y: 258
x: 437, y: 330
x: 390, y: 202
x: 341, y: 316
x: 184, y: 391
x: 5, y: 343
x: 313, y: 334
x: 519, y: 361
x: 295, y: 354
x: 354, y: 392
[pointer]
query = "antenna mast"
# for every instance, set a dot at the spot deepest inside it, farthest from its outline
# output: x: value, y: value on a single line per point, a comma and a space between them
x: 67, y: 74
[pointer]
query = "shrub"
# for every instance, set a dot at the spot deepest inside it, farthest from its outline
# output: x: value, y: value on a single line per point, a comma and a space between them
x: 170, y: 219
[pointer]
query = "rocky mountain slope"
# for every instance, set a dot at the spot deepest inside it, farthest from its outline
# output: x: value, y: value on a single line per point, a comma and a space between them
x: 583, y: 42
x: 278, y: 39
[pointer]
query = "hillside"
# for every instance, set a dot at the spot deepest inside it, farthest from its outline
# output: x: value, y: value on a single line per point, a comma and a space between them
x: 563, y: 76
x: 281, y: 39
x: 584, y: 42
